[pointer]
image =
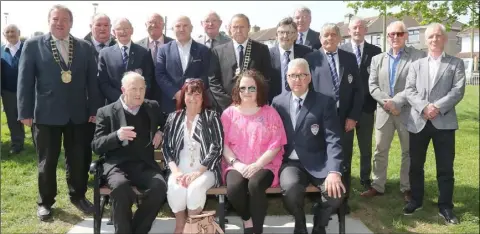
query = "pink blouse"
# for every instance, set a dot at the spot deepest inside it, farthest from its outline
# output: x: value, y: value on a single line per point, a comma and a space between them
x: 249, y: 136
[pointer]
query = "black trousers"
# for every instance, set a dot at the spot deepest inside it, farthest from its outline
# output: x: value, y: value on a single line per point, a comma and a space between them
x: 143, y: 176
x: 293, y: 181
x: 48, y: 140
x: 364, y: 132
x: 248, y: 196
x: 89, y: 131
x: 17, y: 130
x: 444, y: 146
x: 347, y: 149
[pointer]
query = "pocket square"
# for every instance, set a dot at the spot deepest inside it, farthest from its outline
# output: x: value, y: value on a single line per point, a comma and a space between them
x: 196, y: 60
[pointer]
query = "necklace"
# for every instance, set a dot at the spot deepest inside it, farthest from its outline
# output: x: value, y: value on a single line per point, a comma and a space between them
x: 191, y: 142
x: 66, y: 75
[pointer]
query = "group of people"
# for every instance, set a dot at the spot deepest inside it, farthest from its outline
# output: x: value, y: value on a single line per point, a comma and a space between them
x: 231, y: 111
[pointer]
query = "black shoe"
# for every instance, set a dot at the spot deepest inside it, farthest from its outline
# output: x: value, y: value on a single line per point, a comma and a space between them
x: 44, y: 213
x: 319, y: 230
x: 410, y: 208
x: 83, y: 205
x: 449, y: 216
x: 248, y: 230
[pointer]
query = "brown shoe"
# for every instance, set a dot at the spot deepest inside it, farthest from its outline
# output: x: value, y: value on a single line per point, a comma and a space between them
x: 407, y: 196
x: 371, y: 192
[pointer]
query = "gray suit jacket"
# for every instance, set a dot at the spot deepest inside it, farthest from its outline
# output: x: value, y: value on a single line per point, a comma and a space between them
x: 379, y: 83
x: 41, y: 93
x: 219, y: 40
x: 144, y: 42
x: 447, y: 91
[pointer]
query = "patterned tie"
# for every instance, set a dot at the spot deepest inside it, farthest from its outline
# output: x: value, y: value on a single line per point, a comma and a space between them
x: 154, y: 51
x: 240, y: 62
x: 285, y: 61
x: 300, y: 39
x: 333, y: 72
x: 210, y: 43
x: 125, y: 56
x: 299, y: 106
x: 359, y: 55
x: 63, y: 50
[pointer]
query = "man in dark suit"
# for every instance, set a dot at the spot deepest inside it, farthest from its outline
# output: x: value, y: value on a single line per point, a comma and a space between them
x: 313, y: 153
x: 155, y: 25
x: 179, y: 60
x: 335, y: 73
x: 114, y: 61
x: 127, y: 133
x: 282, y: 53
x: 10, y: 56
x: 306, y: 36
x: 58, y: 93
x: 364, y: 53
x: 99, y: 36
x: 232, y: 58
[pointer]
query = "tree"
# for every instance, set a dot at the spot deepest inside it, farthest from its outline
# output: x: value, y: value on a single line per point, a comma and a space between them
x: 424, y: 11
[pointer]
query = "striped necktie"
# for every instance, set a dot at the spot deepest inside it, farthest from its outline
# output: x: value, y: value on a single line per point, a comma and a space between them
x: 125, y: 56
x: 333, y: 72
x: 300, y: 39
x: 359, y: 55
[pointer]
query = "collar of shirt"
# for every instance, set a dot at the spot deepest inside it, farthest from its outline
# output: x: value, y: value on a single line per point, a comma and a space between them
x: 97, y: 44
x: 186, y: 46
x: 132, y: 111
x: 325, y: 51
x: 354, y: 46
x: 304, y: 34
x: 437, y: 60
x: 400, y: 52
x: 151, y: 41
x: 294, y: 97
x: 128, y: 45
x: 13, y: 47
x: 236, y: 44
x: 282, y: 52
x: 207, y: 38
x: 57, y: 39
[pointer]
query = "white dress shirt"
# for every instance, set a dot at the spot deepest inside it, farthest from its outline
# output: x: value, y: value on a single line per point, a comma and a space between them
x: 293, y: 116
x: 354, y: 48
x: 282, y: 51
x: 128, y: 45
x: 237, y: 51
x: 184, y: 52
x: 13, y: 48
x: 433, y: 66
x: 62, y: 46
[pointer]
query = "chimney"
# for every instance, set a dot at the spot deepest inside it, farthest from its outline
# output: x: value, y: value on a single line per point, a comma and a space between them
x: 255, y: 29
x: 347, y: 18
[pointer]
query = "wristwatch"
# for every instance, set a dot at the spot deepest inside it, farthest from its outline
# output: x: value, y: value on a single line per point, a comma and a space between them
x: 232, y: 161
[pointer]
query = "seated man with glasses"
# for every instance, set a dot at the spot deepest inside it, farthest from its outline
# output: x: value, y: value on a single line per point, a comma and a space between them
x: 126, y: 134
x: 313, y: 153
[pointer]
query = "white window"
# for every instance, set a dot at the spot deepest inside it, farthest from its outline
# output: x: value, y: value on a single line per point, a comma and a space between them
x: 413, y: 36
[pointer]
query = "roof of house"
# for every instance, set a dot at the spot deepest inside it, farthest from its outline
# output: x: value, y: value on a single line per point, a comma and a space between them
x: 467, y: 54
x: 265, y: 34
x: 467, y: 31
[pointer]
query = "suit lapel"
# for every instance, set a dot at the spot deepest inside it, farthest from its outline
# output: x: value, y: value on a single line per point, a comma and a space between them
x: 403, y: 61
x: 117, y: 56
x: 120, y: 115
x: 384, y: 71
x: 151, y: 116
x: 304, y: 110
x: 176, y: 56
x: 365, y: 54
x: 348, y: 47
x: 131, y: 57
x: 424, y: 70
x: 193, y: 53
x: 229, y: 54
x: 340, y: 66
x: 286, y: 104
x: 276, y: 57
x: 441, y: 70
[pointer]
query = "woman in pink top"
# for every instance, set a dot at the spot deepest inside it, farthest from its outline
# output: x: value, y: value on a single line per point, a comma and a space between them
x: 253, y: 149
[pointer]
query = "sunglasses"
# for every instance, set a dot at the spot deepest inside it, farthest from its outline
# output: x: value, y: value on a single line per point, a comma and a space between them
x: 399, y: 34
x: 251, y: 89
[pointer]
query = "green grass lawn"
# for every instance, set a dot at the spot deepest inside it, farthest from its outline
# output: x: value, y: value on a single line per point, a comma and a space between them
x: 380, y: 214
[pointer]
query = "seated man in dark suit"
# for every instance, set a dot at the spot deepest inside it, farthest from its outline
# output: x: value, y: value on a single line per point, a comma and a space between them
x: 282, y: 53
x: 114, y: 61
x: 313, y: 153
x: 126, y: 135
x: 179, y: 60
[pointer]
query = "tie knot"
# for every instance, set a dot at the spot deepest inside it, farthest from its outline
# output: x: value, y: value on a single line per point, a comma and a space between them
x: 7, y: 49
x: 331, y: 53
x: 155, y: 43
x: 124, y: 48
x: 101, y: 45
x: 287, y: 53
x: 299, y: 100
x: 240, y: 47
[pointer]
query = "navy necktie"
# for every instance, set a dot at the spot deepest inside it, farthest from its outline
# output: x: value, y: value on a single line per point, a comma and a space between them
x: 240, y: 57
x: 285, y: 61
x: 299, y: 106
x: 358, y: 53
x: 300, y: 39
x: 333, y: 72
x: 124, y: 56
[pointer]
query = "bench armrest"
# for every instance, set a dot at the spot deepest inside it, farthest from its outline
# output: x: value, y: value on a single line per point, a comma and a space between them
x: 97, y: 165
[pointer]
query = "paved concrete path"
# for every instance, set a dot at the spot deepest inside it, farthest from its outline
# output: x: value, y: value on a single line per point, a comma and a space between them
x: 273, y: 224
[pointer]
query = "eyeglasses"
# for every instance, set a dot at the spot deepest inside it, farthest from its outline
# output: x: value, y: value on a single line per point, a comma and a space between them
x: 296, y: 77
x: 251, y: 89
x: 288, y: 33
x: 399, y: 34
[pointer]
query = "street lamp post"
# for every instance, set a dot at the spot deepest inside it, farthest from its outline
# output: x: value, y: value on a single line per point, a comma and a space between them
x: 6, y: 17
x: 95, y: 5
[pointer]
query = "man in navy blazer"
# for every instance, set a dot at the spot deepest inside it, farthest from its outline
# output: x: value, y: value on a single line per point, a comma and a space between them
x: 282, y: 53
x: 10, y: 56
x: 313, y: 153
x: 306, y: 35
x: 125, y: 56
x: 58, y: 94
x: 335, y: 73
x: 179, y: 60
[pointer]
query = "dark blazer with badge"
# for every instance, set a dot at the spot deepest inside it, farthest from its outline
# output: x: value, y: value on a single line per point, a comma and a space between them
x: 313, y: 40
x: 106, y: 143
x: 169, y: 73
x: 299, y: 51
x: 41, y: 93
x: 316, y: 136
x: 111, y: 69
x: 223, y: 66
x: 369, y: 50
x: 351, y: 91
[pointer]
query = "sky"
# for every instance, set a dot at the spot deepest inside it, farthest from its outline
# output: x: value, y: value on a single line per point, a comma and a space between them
x: 32, y: 16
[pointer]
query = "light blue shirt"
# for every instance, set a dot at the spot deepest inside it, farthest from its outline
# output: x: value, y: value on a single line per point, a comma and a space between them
x: 393, y: 64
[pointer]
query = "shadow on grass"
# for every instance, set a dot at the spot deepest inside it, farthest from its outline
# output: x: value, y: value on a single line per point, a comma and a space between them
x: 67, y: 217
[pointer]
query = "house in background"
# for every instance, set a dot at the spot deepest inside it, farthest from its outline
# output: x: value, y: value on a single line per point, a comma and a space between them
x: 465, y: 52
x: 266, y: 36
x: 416, y: 33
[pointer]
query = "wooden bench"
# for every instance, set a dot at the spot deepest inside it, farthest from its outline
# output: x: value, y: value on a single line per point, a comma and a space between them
x: 101, y: 196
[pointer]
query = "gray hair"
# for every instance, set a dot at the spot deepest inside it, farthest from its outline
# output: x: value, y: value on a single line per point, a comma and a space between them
x: 330, y: 26
x: 98, y: 16
x: 299, y: 62
x: 398, y: 22
x: 61, y: 8
x: 357, y: 19
x: 11, y: 26
x: 213, y: 13
x: 433, y: 26
x: 303, y: 9
x: 131, y: 76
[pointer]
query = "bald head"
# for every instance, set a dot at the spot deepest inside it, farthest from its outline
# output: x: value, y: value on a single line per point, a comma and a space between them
x: 123, y: 30
x: 183, y: 29
x: 154, y: 25
x: 11, y: 34
x: 100, y: 27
